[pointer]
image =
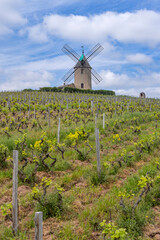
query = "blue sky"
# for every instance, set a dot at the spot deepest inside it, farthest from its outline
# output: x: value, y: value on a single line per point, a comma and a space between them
x: 33, y: 32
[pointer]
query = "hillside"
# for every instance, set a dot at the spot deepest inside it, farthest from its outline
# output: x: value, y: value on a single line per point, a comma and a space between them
x: 54, y: 134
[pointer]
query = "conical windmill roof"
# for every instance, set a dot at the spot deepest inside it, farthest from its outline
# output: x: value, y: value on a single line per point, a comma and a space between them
x: 79, y: 63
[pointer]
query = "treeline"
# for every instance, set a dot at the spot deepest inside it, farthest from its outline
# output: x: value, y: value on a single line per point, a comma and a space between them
x: 104, y: 92
x: 72, y: 90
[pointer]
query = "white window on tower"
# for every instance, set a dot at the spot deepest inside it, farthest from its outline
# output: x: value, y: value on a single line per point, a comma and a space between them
x: 82, y: 85
x: 82, y: 70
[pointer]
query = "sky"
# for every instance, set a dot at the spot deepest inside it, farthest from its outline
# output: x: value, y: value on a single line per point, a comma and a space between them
x: 32, y: 34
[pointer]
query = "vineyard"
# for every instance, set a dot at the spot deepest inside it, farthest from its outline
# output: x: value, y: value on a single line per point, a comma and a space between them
x: 89, y: 162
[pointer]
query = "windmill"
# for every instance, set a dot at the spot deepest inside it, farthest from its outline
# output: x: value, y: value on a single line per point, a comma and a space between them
x: 82, y: 72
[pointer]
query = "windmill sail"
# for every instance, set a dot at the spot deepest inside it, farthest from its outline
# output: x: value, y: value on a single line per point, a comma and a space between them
x: 94, y: 52
x: 96, y: 77
x: 71, y: 53
x: 69, y: 75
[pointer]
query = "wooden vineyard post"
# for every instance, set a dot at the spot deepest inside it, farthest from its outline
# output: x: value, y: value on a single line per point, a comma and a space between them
x: 46, y: 112
x: 98, y: 153
x: 58, y: 134
x: 34, y: 112
x: 15, y: 193
x: 49, y: 123
x: 95, y: 123
x: 103, y: 120
x: 92, y: 106
x: 38, y: 226
x: 8, y: 103
x: 29, y: 112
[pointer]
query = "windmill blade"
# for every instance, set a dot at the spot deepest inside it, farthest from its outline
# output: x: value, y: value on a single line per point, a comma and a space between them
x: 96, y: 77
x: 69, y: 75
x: 71, y: 53
x: 94, y: 52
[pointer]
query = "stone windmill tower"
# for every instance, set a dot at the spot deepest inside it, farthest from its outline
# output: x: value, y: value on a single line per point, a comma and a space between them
x: 82, y: 72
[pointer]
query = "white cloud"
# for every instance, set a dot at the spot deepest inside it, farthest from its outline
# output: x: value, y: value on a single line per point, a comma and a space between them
x: 125, y: 85
x: 111, y: 80
x: 122, y: 84
x: 152, y: 92
x: 137, y: 27
x: 53, y: 64
x: 4, y: 30
x: 10, y: 16
x: 38, y: 34
x: 129, y: 92
x: 18, y: 80
x: 139, y: 58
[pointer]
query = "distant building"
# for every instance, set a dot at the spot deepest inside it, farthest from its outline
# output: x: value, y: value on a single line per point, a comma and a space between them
x: 142, y: 95
x: 71, y: 85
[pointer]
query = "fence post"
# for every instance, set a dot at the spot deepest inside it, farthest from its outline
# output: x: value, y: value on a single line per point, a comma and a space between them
x: 95, y: 124
x: 15, y: 193
x: 98, y: 153
x: 103, y: 120
x: 29, y: 111
x: 34, y: 112
x: 49, y: 123
x: 92, y: 106
x: 38, y: 226
x: 59, y: 125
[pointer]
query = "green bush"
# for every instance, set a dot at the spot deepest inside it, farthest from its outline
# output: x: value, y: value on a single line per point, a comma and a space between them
x: 75, y: 90
x: 132, y: 223
x: 95, y: 179
x: 51, y: 205
x: 102, y: 92
x: 3, y: 156
x: 50, y: 89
